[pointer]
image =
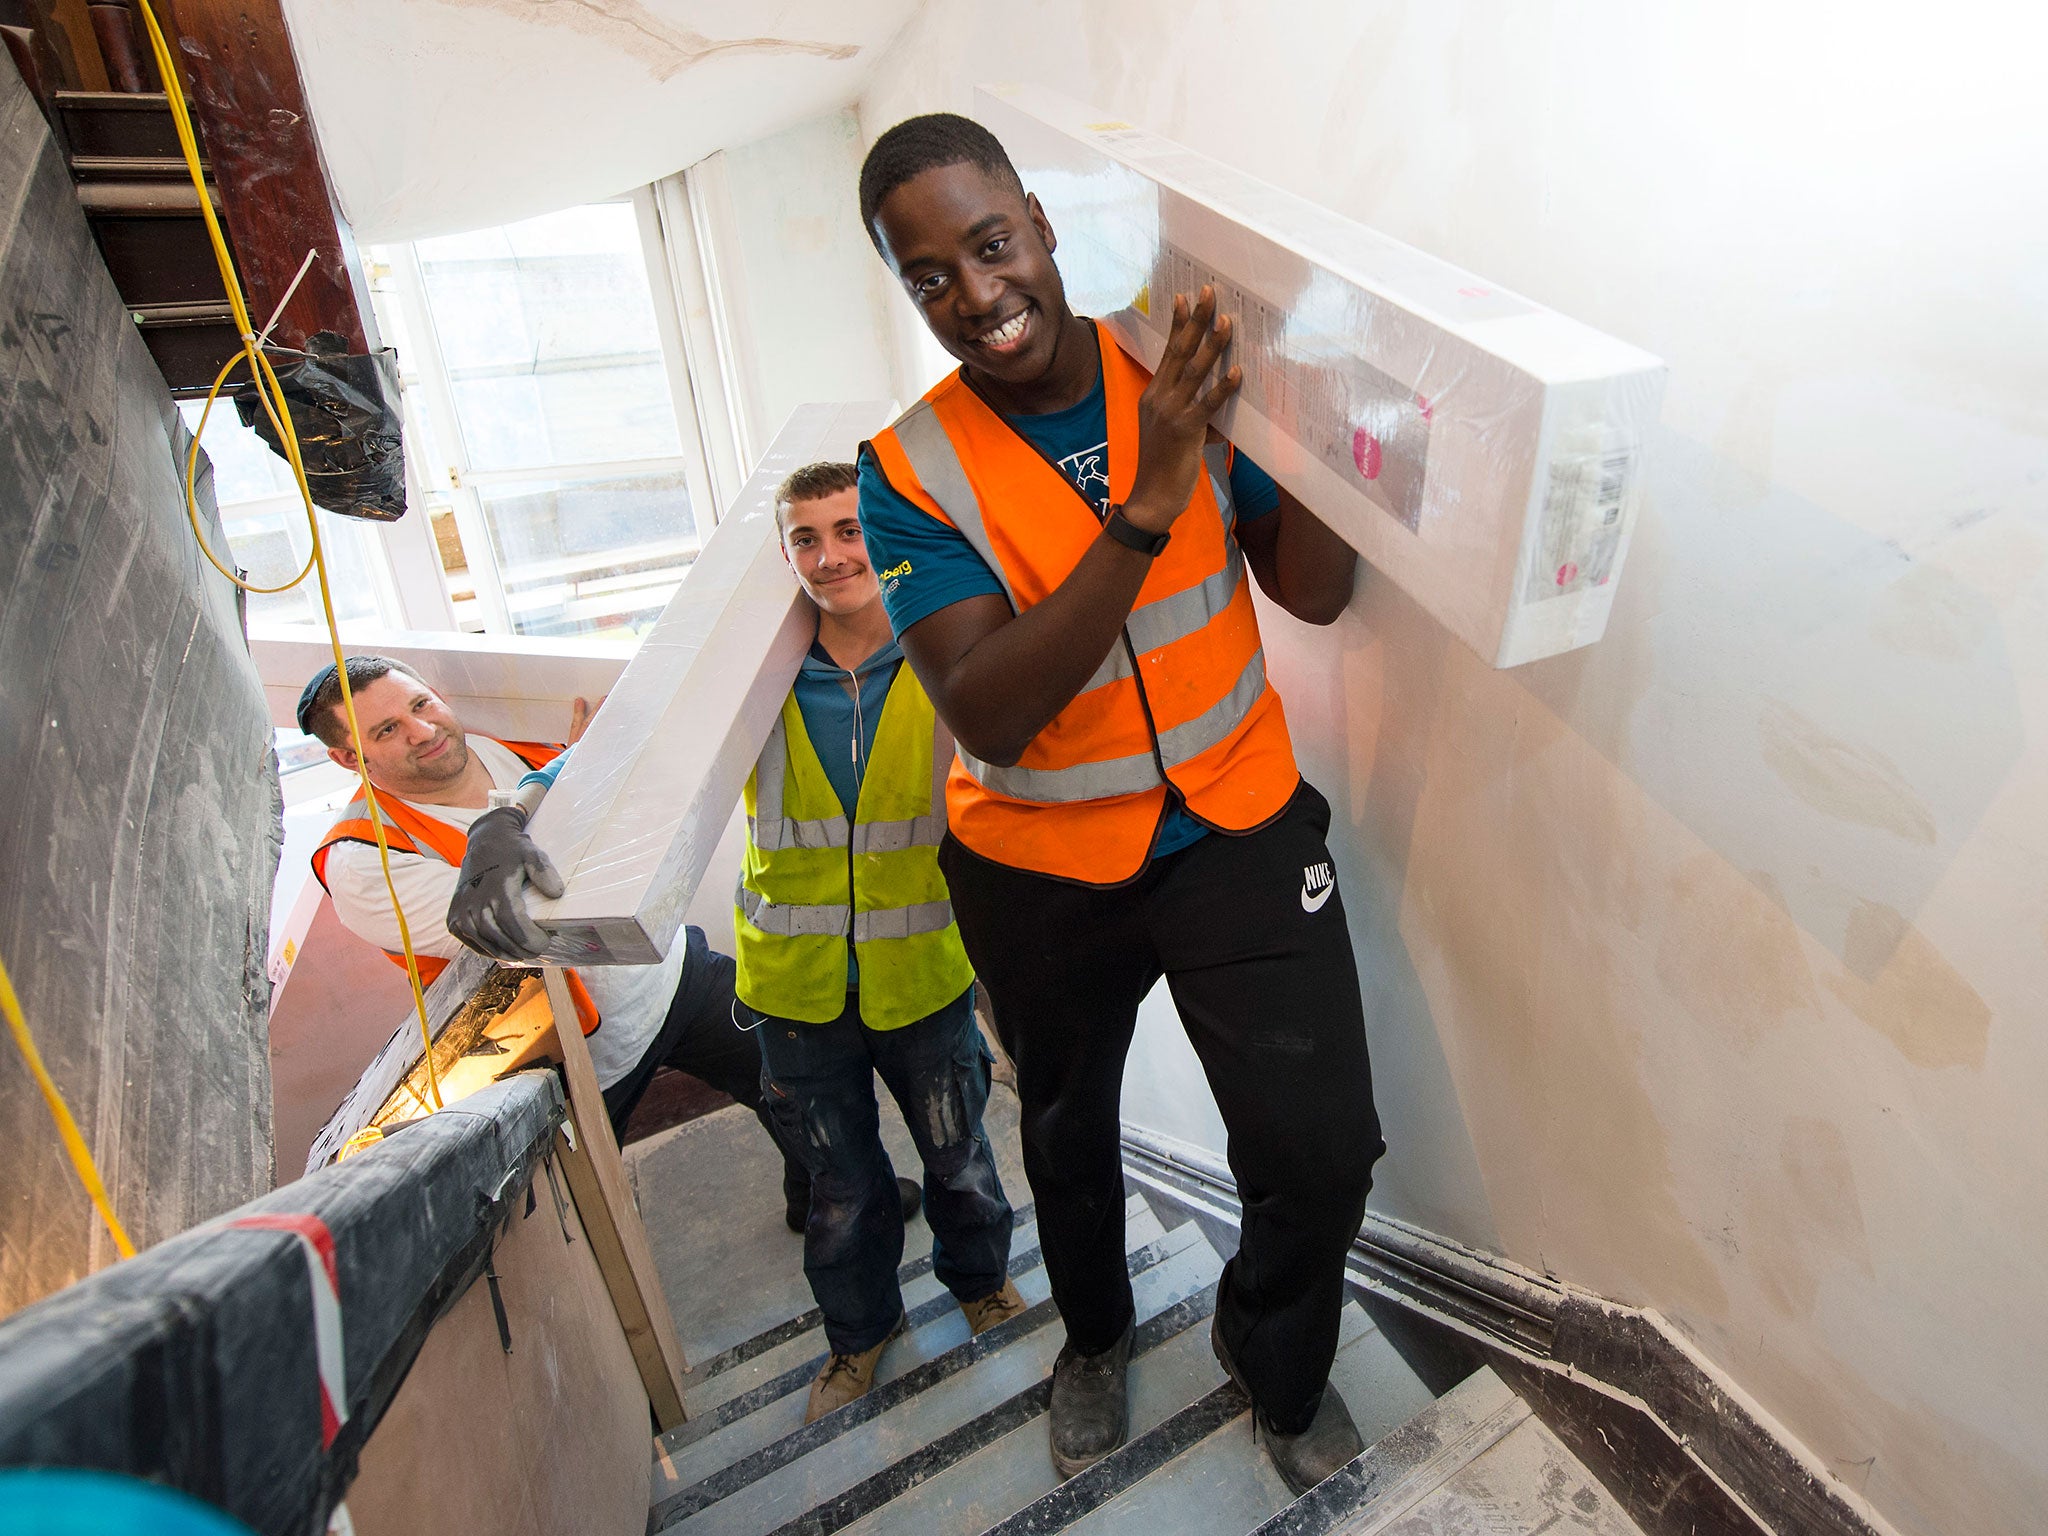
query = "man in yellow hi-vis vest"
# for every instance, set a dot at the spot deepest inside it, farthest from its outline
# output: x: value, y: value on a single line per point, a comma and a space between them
x: 848, y: 959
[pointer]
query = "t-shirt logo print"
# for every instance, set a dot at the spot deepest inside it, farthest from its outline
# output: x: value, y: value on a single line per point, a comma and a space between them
x: 1089, y: 471
x: 1317, y: 881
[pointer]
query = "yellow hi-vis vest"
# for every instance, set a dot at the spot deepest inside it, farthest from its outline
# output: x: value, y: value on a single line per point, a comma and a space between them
x: 811, y: 880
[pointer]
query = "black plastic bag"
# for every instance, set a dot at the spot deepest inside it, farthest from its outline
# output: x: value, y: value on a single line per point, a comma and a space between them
x: 346, y: 413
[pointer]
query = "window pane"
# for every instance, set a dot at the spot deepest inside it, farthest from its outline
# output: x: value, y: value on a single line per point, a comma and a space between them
x: 591, y: 556
x: 548, y: 330
x: 244, y: 468
x: 271, y: 545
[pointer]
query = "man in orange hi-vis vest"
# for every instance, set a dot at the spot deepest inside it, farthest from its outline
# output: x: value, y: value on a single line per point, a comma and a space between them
x: 434, y: 779
x: 1063, y: 542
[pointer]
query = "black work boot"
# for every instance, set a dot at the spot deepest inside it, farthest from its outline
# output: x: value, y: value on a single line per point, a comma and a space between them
x: 1091, y: 1411
x: 1303, y: 1459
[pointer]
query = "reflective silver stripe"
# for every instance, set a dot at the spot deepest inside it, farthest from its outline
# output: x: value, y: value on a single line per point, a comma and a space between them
x: 1129, y: 775
x: 768, y: 829
x: 1193, y: 737
x: 1056, y: 786
x: 774, y: 836
x: 902, y: 922
x: 898, y: 836
x: 1157, y: 625
x: 937, y: 463
x: 792, y: 922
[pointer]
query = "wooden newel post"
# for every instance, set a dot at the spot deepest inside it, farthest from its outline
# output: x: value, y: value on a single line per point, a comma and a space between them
x: 618, y: 1238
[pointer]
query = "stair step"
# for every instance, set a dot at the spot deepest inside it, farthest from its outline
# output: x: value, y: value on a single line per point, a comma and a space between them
x: 1001, y: 1477
x: 1407, y: 1465
x: 745, y: 1423
x: 788, y: 1479
x: 747, y: 1366
x: 1200, y: 1474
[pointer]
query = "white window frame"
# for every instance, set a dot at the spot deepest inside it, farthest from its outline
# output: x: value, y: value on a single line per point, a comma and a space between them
x: 411, y: 588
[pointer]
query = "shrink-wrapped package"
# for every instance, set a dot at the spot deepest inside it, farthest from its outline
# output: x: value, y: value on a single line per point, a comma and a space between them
x: 1480, y: 451
x: 633, y: 819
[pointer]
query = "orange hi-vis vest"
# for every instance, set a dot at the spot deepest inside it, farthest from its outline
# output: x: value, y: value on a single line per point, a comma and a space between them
x: 406, y: 830
x: 1181, y: 699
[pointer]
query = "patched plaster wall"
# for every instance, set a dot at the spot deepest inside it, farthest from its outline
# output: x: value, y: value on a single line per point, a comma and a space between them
x: 1707, y: 967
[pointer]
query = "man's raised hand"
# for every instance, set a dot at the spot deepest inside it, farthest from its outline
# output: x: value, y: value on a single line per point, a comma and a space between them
x: 488, y: 913
x: 1174, y: 412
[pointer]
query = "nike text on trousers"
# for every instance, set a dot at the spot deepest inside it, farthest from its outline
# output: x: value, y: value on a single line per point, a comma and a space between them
x: 1249, y: 932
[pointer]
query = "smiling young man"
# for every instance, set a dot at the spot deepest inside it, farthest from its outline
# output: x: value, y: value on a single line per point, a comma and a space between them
x: 848, y: 958
x: 1064, y: 540
x: 851, y: 963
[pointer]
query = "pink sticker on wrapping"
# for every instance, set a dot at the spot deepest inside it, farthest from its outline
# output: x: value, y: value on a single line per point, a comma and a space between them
x: 1365, y: 453
x: 1566, y: 572
x: 1422, y: 404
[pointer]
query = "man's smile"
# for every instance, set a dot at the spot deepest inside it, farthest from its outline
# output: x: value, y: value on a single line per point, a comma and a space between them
x: 1009, y: 336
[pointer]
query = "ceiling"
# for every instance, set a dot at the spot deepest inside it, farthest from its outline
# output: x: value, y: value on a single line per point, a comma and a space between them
x: 437, y: 116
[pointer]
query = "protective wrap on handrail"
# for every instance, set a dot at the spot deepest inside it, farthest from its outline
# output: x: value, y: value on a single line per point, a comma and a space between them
x: 197, y: 1364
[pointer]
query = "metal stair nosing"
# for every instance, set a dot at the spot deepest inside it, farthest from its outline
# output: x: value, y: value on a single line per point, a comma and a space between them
x: 803, y: 1322
x: 1021, y: 1408
x: 790, y: 1448
x: 1128, y: 1465
x: 1406, y: 1465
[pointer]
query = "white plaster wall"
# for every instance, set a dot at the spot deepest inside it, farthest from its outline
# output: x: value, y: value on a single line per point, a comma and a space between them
x: 1707, y: 967
x: 802, y: 287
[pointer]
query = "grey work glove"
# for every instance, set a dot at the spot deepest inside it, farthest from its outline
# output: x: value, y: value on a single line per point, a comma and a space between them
x: 489, y: 910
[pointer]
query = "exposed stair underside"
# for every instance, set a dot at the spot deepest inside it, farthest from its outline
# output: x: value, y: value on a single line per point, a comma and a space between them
x: 953, y: 1438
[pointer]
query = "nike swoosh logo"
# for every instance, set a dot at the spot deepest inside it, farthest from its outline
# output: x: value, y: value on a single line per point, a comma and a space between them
x: 1315, y: 903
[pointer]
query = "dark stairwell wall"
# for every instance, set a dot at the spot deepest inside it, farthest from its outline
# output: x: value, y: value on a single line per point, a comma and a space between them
x: 138, y: 795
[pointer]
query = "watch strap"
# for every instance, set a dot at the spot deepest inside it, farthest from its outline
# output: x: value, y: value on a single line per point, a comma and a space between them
x: 1131, y: 536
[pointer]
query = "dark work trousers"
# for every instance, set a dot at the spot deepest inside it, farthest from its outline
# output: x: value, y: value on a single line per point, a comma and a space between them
x: 1249, y: 932
x: 702, y: 1036
x: 819, y: 1080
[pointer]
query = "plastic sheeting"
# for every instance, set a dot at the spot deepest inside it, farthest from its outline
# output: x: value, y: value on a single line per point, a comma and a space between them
x: 635, y: 817
x: 438, y: 116
x: 1480, y: 451
x: 203, y: 1363
x: 346, y: 415
x: 140, y: 834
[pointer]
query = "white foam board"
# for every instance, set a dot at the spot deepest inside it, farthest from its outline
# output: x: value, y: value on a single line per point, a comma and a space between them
x: 1480, y: 451
x: 514, y: 687
x: 636, y: 816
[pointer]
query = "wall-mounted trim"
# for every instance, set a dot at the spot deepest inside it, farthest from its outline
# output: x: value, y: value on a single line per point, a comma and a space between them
x: 1631, y: 1356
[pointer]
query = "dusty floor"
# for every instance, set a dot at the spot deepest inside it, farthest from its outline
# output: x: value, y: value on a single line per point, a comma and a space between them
x: 711, y: 1193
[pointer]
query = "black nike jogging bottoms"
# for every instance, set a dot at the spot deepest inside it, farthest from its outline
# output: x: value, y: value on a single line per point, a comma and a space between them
x: 1249, y: 933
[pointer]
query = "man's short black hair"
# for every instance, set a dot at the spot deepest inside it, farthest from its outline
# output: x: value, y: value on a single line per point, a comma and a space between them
x: 920, y: 144
x: 320, y: 701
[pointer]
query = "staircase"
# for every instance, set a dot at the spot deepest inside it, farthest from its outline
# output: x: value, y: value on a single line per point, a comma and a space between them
x: 953, y: 1438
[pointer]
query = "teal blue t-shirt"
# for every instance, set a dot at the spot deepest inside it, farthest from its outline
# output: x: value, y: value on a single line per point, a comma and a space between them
x: 925, y: 565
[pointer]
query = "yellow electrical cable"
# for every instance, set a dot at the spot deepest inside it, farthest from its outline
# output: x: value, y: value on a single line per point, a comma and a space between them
x: 271, y: 393
x: 67, y: 1128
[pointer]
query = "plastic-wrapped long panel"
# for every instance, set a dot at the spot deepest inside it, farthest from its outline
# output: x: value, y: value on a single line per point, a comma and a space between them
x: 1482, y: 452
x: 514, y: 687
x: 635, y: 816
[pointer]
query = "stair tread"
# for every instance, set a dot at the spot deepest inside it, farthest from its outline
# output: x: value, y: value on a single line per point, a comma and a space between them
x: 684, y: 1458
x: 1224, y: 1484
x: 1525, y: 1481
x: 790, y: 1491
x: 1004, y: 1476
x: 706, y: 1388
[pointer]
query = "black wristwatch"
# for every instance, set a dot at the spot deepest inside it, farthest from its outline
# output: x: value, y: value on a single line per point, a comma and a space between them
x: 1131, y: 536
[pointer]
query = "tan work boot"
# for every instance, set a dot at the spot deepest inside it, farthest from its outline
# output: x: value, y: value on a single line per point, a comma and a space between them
x: 996, y: 1307
x: 845, y: 1378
